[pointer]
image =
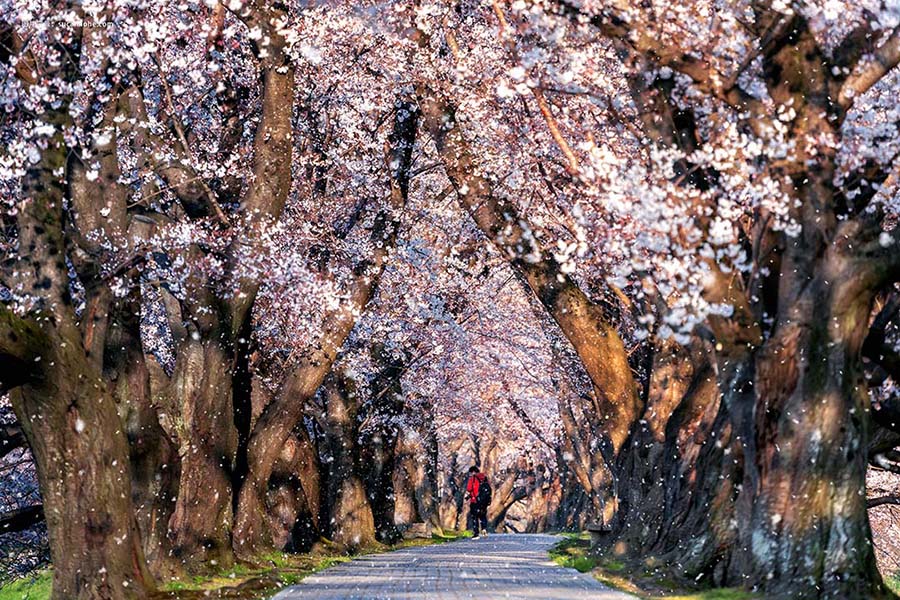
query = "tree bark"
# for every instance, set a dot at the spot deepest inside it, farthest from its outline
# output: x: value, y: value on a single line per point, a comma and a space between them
x: 681, y: 473
x: 196, y: 409
x: 378, y: 458
x: 201, y: 400
x: 351, y: 522
x: 820, y: 547
x: 379, y: 439
x: 155, y: 464
x: 82, y: 461
x: 415, y: 476
x: 293, y: 496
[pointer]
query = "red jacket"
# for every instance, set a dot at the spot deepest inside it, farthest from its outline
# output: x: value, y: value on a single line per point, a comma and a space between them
x: 473, y: 485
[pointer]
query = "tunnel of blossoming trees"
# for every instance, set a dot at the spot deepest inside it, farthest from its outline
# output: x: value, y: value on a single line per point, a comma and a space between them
x: 276, y: 274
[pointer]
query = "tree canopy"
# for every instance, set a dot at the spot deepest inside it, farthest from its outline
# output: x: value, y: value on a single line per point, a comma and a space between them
x: 262, y: 262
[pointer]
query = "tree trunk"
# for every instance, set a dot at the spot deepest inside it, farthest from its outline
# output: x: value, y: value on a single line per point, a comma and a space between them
x: 378, y: 459
x: 292, y: 501
x: 379, y: 439
x: 681, y: 473
x: 506, y: 493
x: 82, y: 462
x: 804, y: 529
x: 407, y: 478
x: 197, y: 403
x: 200, y: 392
x: 62, y: 402
x: 153, y: 457
x: 415, y: 476
x: 761, y: 467
x: 351, y: 522
x: 307, y: 524
x: 463, y: 453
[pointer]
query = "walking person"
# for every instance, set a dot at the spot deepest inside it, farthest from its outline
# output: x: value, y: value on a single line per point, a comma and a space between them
x: 478, y: 491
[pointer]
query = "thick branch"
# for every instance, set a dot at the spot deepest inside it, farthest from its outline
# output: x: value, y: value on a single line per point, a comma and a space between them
x: 21, y: 342
x: 869, y: 72
x: 172, y: 167
x: 21, y: 519
x: 271, y: 175
x: 528, y: 422
x: 11, y: 437
x: 882, y: 500
x: 876, y: 254
x: 573, y: 166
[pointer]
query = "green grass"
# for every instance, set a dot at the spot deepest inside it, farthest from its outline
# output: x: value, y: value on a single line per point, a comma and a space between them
x: 573, y: 552
x: 277, y: 570
x: 242, y: 581
x: 28, y: 588
x: 251, y: 582
x: 893, y: 582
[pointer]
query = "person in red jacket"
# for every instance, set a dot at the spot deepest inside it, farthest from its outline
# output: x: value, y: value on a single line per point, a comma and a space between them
x: 478, y: 491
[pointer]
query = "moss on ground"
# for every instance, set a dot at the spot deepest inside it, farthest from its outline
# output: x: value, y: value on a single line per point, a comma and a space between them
x: 241, y: 582
x: 574, y: 552
x: 278, y: 570
x: 893, y: 582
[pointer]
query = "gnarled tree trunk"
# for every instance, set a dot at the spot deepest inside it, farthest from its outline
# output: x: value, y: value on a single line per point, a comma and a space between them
x: 351, y: 522
x: 53, y: 365
x: 154, y: 459
x: 415, y: 476
x: 379, y: 438
x: 81, y: 457
x: 802, y: 512
x: 199, y: 396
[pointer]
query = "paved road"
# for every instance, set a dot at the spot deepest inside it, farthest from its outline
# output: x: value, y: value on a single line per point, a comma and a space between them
x: 507, y: 567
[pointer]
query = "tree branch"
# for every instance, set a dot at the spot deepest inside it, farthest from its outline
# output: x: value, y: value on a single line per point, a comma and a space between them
x: 869, y: 72
x: 272, y: 160
x: 617, y: 27
x: 21, y: 519
x: 21, y: 344
x: 882, y: 500
x: 572, y: 164
x: 191, y: 190
x: 12, y: 436
x: 528, y: 422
